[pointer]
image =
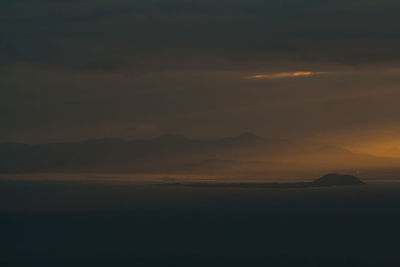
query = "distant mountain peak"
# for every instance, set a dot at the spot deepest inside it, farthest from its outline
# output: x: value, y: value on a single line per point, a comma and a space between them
x: 171, y: 138
x: 108, y: 140
x: 249, y: 136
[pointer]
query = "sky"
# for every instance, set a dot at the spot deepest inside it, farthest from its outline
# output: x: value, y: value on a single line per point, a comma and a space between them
x: 320, y: 70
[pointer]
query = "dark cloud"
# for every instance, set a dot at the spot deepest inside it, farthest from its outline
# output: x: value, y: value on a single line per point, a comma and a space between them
x: 58, y: 105
x: 149, y: 34
x: 98, y: 68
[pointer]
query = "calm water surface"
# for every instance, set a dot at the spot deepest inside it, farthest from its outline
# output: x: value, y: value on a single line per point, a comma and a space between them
x: 81, y: 223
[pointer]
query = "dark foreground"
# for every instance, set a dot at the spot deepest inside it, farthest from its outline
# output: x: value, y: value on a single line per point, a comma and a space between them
x: 89, y: 224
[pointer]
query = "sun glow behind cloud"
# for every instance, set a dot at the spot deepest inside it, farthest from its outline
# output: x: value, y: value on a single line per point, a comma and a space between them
x: 281, y: 75
x: 382, y: 140
x: 383, y: 148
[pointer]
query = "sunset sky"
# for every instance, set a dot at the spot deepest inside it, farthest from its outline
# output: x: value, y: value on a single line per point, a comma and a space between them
x: 298, y: 69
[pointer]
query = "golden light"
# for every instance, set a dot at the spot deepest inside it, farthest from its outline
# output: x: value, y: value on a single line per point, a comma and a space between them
x: 281, y: 75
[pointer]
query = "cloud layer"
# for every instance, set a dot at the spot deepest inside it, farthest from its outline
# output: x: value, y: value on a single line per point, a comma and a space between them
x: 154, y: 34
x: 72, y: 70
x: 282, y: 75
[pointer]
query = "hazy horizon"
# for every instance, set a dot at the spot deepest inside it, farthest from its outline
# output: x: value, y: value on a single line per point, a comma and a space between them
x: 244, y: 157
x: 157, y: 133
x: 320, y: 71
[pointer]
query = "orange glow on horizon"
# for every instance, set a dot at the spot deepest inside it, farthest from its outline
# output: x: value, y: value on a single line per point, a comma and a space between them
x: 381, y: 148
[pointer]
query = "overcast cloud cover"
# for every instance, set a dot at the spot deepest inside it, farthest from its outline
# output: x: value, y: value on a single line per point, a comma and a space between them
x: 72, y: 70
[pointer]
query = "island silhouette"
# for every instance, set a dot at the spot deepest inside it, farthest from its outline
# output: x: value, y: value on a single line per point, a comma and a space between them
x: 331, y: 179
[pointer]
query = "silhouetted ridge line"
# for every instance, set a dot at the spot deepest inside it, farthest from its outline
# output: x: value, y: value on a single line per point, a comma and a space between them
x: 166, y: 153
x: 337, y: 179
x: 324, y: 181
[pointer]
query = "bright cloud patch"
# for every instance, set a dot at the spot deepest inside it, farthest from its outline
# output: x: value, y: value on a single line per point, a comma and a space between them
x: 281, y: 75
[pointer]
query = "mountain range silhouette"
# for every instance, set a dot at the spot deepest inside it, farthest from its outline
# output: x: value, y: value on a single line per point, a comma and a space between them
x: 175, y: 153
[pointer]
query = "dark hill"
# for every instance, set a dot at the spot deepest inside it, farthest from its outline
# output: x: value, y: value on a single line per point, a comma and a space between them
x: 327, y: 180
x: 337, y: 179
